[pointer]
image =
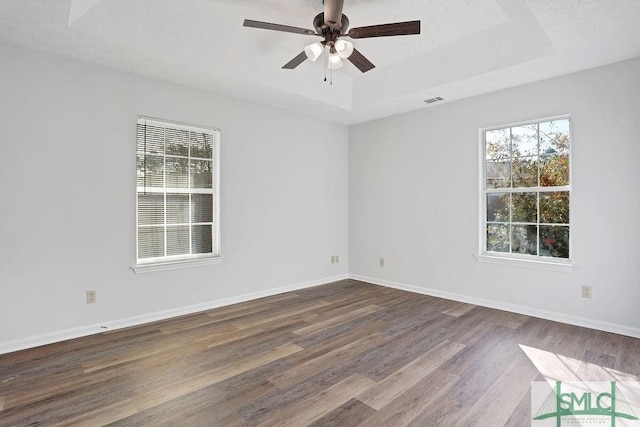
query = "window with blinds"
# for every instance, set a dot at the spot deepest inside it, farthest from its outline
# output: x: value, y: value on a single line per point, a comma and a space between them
x: 177, y: 191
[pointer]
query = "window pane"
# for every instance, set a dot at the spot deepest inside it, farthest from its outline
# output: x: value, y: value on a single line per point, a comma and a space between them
x: 554, y: 170
x: 149, y: 171
x: 177, y: 208
x: 498, y: 174
x: 524, y: 239
x: 554, y: 207
x: 498, y: 237
x: 201, y: 239
x: 178, y: 142
x: 498, y: 207
x: 201, y: 173
x: 554, y: 137
x: 150, y: 242
x: 524, y: 140
x: 178, y: 240
x: 150, y: 139
x: 554, y: 241
x: 201, y: 145
x: 554, y: 149
x: 524, y: 207
x: 202, y: 208
x: 498, y: 144
x: 150, y: 209
x: 525, y: 172
x: 177, y: 173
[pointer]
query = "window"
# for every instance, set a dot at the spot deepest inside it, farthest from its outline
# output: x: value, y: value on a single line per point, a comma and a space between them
x: 526, y: 191
x: 177, y: 192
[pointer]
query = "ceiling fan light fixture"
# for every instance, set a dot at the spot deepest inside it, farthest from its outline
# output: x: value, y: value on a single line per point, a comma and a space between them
x: 313, y: 51
x: 335, y: 61
x: 344, y: 48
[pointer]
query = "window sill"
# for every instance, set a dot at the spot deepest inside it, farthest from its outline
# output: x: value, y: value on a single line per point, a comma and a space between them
x: 565, y: 266
x: 174, y: 265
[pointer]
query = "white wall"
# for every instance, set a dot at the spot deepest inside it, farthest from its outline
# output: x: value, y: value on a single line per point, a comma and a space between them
x: 67, y: 213
x: 413, y: 199
x: 408, y: 186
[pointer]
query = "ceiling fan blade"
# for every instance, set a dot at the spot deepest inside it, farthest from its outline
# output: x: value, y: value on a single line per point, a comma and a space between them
x: 361, y: 63
x: 295, y: 61
x: 333, y: 12
x: 278, y: 27
x: 385, y: 30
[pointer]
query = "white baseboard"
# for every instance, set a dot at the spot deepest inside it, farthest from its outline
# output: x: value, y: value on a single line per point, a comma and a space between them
x: 49, y: 338
x: 514, y: 308
x: 67, y: 334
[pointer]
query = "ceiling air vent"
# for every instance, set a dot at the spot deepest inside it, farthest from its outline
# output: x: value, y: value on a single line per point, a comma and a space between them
x: 432, y: 100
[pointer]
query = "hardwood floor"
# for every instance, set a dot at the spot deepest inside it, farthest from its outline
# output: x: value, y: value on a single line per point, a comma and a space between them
x: 342, y: 354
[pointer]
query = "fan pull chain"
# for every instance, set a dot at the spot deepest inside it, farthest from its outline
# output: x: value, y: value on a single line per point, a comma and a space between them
x: 326, y: 62
x: 327, y: 52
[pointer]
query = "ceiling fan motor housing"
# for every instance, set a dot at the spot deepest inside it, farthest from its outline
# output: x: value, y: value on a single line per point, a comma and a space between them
x: 330, y: 35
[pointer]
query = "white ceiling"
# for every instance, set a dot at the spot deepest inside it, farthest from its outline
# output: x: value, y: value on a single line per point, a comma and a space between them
x: 467, y: 47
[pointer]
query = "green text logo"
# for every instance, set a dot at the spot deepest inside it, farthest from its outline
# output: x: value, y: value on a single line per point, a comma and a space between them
x: 583, y: 401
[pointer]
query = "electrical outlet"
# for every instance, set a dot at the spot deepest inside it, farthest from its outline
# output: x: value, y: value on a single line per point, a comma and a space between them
x: 586, y: 292
x: 91, y: 297
x: 381, y: 262
x: 337, y: 259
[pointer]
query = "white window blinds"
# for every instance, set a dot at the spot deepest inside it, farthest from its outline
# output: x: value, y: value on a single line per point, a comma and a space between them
x: 177, y: 191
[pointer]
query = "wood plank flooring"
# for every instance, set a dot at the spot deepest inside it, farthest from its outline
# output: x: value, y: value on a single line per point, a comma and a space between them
x: 343, y: 354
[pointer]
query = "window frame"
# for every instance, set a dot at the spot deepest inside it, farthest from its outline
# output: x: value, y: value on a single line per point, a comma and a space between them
x: 171, y: 262
x: 536, y: 261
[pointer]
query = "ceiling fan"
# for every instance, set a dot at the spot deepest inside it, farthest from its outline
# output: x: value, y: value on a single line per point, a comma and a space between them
x: 332, y: 26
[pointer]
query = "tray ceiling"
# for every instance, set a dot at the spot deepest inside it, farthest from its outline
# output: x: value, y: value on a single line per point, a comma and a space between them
x: 467, y: 47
